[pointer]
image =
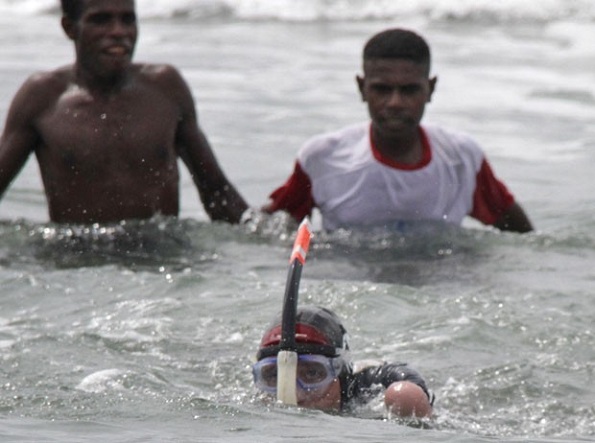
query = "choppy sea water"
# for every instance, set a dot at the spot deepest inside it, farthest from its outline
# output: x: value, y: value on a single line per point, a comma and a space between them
x: 146, y: 331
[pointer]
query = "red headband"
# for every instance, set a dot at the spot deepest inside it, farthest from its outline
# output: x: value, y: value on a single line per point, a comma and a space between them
x: 303, y: 334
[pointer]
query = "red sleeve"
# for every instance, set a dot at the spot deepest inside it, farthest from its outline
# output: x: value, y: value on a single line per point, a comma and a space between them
x: 295, y: 196
x: 491, y: 198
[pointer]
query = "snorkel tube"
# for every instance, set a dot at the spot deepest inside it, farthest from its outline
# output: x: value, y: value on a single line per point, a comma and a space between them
x: 287, y: 357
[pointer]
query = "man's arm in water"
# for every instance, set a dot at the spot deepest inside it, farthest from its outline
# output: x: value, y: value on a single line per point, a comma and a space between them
x: 19, y: 137
x: 220, y: 198
x: 515, y: 220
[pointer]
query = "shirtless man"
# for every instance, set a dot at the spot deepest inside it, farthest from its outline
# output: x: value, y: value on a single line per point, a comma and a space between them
x: 107, y: 132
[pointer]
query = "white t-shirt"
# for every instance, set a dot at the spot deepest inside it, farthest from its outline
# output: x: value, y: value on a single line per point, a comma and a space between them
x: 348, y: 179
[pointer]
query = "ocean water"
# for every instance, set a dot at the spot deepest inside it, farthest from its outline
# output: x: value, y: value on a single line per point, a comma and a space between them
x: 145, y: 331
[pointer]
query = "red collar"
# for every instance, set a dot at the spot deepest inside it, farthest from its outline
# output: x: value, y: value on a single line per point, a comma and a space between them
x: 426, y: 156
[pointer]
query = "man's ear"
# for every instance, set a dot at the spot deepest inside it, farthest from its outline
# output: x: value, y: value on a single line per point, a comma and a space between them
x: 69, y: 27
x: 432, y: 81
x: 360, y: 85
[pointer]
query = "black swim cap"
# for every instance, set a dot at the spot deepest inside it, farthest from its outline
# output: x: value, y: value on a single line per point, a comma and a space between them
x: 318, y: 331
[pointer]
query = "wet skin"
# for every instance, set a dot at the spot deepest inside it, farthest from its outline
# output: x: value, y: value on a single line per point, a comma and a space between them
x: 326, y: 399
x: 108, y: 133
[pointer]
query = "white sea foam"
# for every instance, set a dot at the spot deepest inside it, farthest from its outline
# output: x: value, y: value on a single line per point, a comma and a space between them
x: 101, y: 381
x: 308, y: 10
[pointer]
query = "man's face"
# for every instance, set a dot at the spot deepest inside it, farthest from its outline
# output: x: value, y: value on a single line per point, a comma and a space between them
x: 327, y: 399
x: 104, y: 35
x: 396, y: 91
x: 317, y: 385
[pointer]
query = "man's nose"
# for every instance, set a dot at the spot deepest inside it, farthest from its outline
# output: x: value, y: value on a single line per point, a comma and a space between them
x: 119, y: 27
x: 395, y: 98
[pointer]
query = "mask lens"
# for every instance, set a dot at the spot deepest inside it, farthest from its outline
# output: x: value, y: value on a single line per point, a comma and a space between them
x: 265, y: 374
x: 313, y: 372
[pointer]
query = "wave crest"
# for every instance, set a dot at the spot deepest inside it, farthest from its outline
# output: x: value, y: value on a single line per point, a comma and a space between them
x: 485, y: 11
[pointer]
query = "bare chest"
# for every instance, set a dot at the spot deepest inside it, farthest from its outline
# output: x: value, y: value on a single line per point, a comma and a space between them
x: 85, y: 134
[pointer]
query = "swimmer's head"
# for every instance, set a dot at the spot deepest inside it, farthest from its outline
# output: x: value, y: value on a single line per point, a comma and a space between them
x: 319, y: 332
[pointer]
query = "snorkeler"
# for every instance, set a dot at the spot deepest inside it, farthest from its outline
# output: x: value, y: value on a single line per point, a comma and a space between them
x: 326, y: 378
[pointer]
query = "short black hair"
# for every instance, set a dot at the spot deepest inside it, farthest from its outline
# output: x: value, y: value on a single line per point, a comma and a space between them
x: 398, y: 43
x: 72, y: 9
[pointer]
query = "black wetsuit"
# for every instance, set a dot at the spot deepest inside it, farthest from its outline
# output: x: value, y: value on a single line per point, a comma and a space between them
x: 366, y: 384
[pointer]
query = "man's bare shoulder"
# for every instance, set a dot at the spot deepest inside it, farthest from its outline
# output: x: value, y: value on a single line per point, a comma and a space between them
x: 169, y: 80
x: 41, y: 90
x: 58, y: 79
x: 164, y: 74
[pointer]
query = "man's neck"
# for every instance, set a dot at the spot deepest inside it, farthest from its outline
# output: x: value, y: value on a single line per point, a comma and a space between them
x: 103, y: 86
x: 406, y: 148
